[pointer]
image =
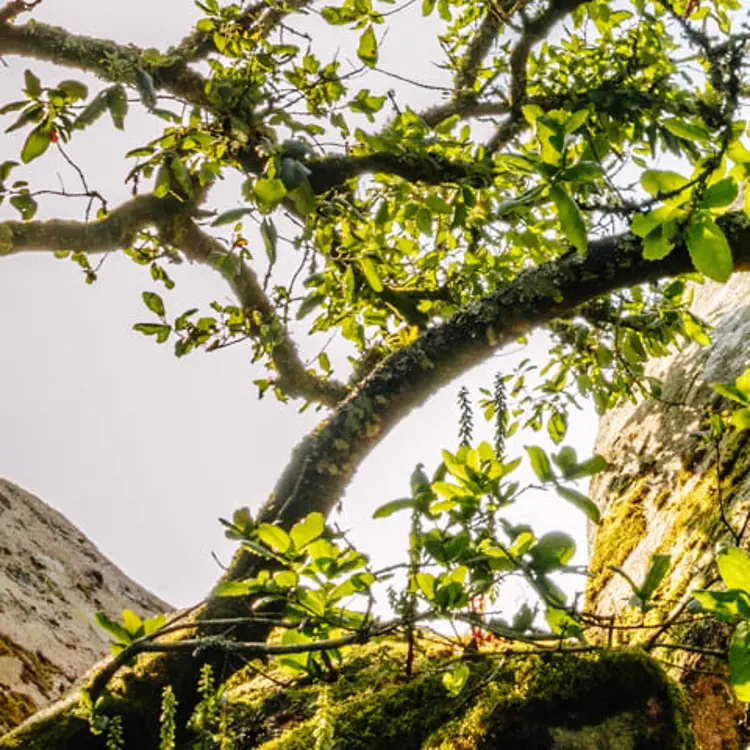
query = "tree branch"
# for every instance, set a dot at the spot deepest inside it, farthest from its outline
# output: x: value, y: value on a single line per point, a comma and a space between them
x: 264, y: 17
x: 294, y: 379
x: 534, y: 31
x: 323, y: 464
x: 119, y: 228
x: 15, y: 7
x: 98, y: 56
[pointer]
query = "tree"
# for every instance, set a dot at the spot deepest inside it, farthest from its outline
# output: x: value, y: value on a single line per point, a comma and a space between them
x: 527, y: 196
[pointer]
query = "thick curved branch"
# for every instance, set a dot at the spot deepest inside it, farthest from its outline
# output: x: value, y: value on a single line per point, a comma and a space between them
x: 119, y: 228
x: 330, y: 172
x: 57, y: 45
x: 323, y: 464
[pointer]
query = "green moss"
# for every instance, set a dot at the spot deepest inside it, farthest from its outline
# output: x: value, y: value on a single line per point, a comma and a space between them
x: 36, y: 671
x: 623, y: 526
x: 528, y: 701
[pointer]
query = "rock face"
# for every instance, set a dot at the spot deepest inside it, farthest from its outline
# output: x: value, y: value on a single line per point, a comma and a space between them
x: 667, y: 492
x: 52, y: 582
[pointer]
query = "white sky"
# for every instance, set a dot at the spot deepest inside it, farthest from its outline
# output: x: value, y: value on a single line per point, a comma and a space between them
x: 143, y: 451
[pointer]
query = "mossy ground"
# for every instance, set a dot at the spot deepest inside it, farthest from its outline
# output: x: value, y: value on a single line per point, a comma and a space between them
x: 517, y: 702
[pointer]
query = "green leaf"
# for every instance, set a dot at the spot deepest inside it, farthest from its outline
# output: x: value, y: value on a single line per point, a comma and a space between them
x: 232, y: 588
x: 690, y: 131
x: 154, y: 303
x: 656, y: 572
x: 152, y: 624
x: 657, y: 182
x: 270, y: 237
x: 293, y: 173
x: 160, y: 330
x: 117, y: 631
x: 231, y: 217
x: 34, y: 113
x: 581, y: 501
x: 269, y: 193
x: 117, y: 102
x: 720, y: 194
x: 426, y: 584
x: 314, y: 601
x: 557, y: 426
x: 145, y: 85
x: 368, y: 47
x: 657, y: 244
x: 553, y: 550
x: 562, y: 623
x: 584, y: 171
x: 741, y: 419
x: 731, y: 392
x: 571, y: 219
x: 273, y: 537
x: 371, y: 274
x: 307, y: 530
x: 394, y: 506
x: 33, y: 86
x: 182, y: 175
x: 93, y: 111
x: 739, y: 661
x: 6, y: 168
x: 25, y: 205
x: 73, y: 90
x: 709, y: 249
x: 13, y: 107
x: 734, y: 567
x: 540, y: 463
x: 575, y: 121
x: 37, y: 143
x: 728, y: 606
x: 588, y: 468
x: 131, y: 621
x: 309, y: 304
x: 286, y: 579
x: 455, y: 680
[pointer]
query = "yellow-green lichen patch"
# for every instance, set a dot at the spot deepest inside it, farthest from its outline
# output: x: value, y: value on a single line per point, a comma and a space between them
x: 696, y: 524
x: 33, y: 671
x: 622, y: 528
x: 515, y: 702
x: 15, y: 708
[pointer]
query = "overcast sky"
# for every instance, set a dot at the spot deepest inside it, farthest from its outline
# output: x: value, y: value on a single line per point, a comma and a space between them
x: 143, y: 451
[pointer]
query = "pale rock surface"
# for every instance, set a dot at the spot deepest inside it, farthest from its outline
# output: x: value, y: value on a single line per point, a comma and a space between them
x: 652, y: 440
x: 661, y: 494
x: 52, y: 582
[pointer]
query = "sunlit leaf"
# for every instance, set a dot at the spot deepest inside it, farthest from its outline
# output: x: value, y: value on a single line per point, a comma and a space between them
x: 36, y: 143
x: 709, y: 248
x: 307, y: 530
x: 274, y: 537
x: 581, y: 501
x: 571, y: 219
x: 739, y: 661
x: 368, y: 47
x: 734, y: 567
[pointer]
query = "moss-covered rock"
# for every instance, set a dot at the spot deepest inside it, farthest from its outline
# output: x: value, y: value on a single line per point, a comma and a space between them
x: 596, y: 699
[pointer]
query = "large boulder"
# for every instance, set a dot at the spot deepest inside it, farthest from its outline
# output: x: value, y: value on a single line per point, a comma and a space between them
x: 52, y: 582
x: 668, y: 492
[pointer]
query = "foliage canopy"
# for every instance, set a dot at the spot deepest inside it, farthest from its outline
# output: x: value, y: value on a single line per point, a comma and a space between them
x: 580, y: 162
